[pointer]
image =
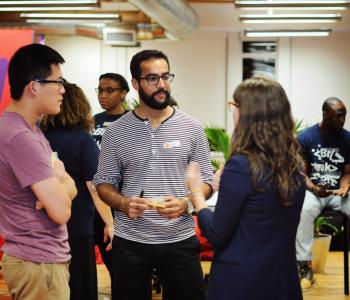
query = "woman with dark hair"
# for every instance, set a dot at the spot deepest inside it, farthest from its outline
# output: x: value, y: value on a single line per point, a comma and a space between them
x: 261, y: 194
x: 69, y: 135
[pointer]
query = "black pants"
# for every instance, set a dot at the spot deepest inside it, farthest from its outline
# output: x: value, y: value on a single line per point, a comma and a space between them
x: 82, y: 269
x: 99, y: 226
x: 177, y: 264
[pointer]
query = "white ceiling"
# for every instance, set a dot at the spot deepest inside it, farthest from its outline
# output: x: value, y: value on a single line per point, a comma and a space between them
x: 224, y: 16
x: 217, y: 16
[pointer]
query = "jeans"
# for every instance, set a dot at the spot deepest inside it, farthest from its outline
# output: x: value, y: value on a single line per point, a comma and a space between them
x: 178, y: 267
x: 312, y: 207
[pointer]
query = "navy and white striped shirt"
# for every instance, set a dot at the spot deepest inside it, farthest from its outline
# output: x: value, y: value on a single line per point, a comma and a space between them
x: 135, y: 157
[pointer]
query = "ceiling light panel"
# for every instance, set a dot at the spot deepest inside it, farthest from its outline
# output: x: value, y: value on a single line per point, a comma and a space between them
x: 102, y: 16
x: 289, y: 18
x: 287, y: 33
x: 95, y: 23
x: 46, y: 8
x: 295, y: 4
x: 47, y: 2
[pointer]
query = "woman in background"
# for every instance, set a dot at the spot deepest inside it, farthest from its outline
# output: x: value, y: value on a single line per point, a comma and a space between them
x: 69, y: 135
x: 260, y: 197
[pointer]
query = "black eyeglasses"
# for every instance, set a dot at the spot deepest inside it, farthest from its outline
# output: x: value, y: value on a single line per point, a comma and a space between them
x: 109, y: 90
x: 60, y: 82
x: 153, y: 79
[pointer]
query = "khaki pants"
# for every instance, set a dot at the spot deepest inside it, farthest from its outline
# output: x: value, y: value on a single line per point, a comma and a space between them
x: 35, y: 281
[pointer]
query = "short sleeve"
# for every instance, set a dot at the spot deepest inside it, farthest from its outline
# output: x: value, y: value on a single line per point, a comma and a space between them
x: 201, y: 155
x: 109, y: 166
x: 28, y: 156
x: 302, y: 140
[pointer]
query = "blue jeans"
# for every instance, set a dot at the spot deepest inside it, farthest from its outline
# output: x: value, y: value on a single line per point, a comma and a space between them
x: 178, y: 267
x: 312, y: 207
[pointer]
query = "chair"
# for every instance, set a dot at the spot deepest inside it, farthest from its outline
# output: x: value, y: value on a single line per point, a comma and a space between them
x: 333, y: 214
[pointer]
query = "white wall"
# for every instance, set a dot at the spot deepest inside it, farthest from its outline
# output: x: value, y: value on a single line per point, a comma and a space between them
x: 209, y: 67
x: 319, y: 68
x: 199, y: 66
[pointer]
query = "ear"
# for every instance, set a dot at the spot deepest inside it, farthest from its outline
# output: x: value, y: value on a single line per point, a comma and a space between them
x: 135, y: 84
x: 32, y: 87
x: 123, y: 95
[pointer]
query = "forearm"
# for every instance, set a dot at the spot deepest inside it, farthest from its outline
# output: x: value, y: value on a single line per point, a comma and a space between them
x: 54, y: 199
x: 207, y: 190
x: 69, y: 186
x: 309, y: 184
x: 102, y: 208
x: 111, y: 196
x: 345, y: 181
x: 198, y: 199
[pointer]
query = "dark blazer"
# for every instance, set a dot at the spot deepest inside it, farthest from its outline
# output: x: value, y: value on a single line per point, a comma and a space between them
x: 253, y: 238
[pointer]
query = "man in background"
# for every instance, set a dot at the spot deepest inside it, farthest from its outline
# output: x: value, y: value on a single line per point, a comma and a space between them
x: 325, y: 148
x: 35, y: 192
x: 111, y: 92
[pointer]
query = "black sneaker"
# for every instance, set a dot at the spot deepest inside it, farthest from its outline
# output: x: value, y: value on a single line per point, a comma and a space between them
x: 306, y: 275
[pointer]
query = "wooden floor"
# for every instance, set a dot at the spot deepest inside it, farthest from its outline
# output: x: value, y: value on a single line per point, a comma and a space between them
x: 329, y: 285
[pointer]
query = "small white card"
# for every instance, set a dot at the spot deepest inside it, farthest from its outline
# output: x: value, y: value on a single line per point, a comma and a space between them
x: 172, y: 144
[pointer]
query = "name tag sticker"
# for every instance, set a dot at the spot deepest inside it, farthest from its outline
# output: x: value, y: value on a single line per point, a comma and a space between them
x: 172, y: 144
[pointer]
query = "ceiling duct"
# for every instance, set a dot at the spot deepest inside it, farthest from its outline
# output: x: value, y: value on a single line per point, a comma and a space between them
x: 175, y: 16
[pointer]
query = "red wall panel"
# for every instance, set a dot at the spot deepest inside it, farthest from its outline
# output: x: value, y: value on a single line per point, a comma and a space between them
x: 10, y: 41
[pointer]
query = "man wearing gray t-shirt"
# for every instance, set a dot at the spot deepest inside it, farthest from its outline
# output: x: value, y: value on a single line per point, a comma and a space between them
x: 35, y: 191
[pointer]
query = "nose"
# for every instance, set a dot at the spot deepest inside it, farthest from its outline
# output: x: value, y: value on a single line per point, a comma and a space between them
x: 62, y: 90
x: 103, y: 94
x: 161, y: 82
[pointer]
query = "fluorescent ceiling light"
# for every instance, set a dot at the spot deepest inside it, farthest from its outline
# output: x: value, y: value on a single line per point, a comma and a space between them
x: 289, y: 18
x: 280, y: 16
x: 46, y: 8
x: 77, y: 16
x: 294, y: 8
x: 331, y: 4
x: 290, y: 2
x: 288, y: 21
x: 50, y: 2
x: 286, y: 33
x: 96, y: 23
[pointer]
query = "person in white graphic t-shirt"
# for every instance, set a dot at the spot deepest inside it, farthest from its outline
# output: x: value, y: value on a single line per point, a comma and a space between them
x: 325, y: 148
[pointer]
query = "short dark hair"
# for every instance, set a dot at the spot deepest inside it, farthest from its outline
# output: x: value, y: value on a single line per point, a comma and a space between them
x: 329, y: 102
x: 138, y: 58
x: 29, y: 63
x: 118, y: 78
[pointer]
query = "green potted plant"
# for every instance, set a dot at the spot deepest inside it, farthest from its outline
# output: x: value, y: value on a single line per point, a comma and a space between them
x: 322, y: 242
x: 219, y: 143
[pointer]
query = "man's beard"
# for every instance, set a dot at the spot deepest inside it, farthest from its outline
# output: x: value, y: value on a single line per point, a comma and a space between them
x: 152, y: 102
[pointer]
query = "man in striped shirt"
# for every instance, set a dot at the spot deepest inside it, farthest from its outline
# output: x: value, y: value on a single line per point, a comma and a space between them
x: 141, y: 174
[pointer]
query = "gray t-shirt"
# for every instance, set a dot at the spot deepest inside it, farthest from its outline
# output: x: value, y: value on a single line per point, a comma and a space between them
x: 25, y: 159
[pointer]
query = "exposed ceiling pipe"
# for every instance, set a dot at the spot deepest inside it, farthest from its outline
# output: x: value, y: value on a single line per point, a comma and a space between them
x: 175, y: 16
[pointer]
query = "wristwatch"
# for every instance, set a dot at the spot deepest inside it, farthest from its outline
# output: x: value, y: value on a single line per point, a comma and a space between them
x: 189, y: 206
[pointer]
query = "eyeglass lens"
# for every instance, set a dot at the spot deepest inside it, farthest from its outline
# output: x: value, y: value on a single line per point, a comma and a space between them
x: 108, y: 90
x: 154, y: 79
